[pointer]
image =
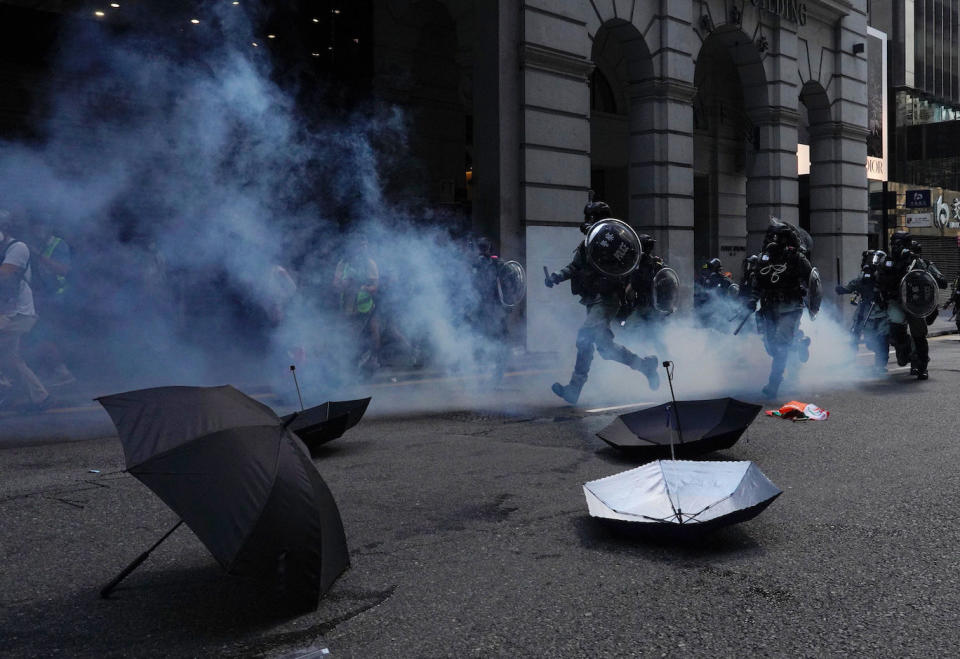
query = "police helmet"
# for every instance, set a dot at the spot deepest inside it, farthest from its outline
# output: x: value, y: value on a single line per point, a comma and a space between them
x: 596, y: 211
x: 900, y: 239
x: 647, y: 242
x: 484, y: 246
x: 713, y: 265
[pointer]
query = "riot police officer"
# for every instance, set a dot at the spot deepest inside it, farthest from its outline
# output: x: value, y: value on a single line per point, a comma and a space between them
x: 651, y: 296
x: 871, y: 319
x: 711, y: 286
x: 603, y: 295
x: 779, y: 285
x: 908, y: 325
x: 955, y: 302
x: 488, y: 316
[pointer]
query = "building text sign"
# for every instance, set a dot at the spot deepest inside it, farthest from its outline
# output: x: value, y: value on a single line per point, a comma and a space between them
x: 789, y: 10
x: 917, y: 220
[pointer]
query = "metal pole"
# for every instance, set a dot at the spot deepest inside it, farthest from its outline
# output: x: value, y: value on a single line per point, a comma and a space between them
x: 293, y: 371
x: 883, y: 206
x: 669, y: 367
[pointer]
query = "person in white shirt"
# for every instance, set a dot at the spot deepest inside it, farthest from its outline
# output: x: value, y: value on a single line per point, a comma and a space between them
x: 17, y: 316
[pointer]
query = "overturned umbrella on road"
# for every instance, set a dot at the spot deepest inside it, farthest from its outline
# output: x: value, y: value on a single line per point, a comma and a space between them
x: 320, y: 424
x: 708, y: 425
x: 681, y: 497
x: 233, y: 472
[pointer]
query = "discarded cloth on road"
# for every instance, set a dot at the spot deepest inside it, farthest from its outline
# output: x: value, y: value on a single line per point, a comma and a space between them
x: 797, y: 411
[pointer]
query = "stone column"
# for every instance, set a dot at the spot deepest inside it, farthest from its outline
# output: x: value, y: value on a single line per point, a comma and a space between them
x: 554, y: 159
x: 838, y: 199
x: 496, y: 126
x: 838, y: 176
x: 661, y: 167
x: 772, y: 173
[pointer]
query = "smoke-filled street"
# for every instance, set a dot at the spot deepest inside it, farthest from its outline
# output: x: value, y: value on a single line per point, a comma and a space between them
x: 468, y: 535
x: 478, y: 328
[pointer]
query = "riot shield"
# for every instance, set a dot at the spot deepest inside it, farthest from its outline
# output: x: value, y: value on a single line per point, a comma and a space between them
x: 919, y: 293
x: 814, y: 293
x: 666, y: 290
x: 511, y: 283
x: 613, y: 248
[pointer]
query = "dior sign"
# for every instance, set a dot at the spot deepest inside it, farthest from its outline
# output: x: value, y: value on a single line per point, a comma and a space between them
x: 789, y: 10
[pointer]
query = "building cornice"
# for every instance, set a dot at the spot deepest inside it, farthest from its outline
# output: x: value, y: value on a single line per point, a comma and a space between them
x: 839, y: 129
x: 540, y: 57
x: 675, y: 90
x: 828, y: 11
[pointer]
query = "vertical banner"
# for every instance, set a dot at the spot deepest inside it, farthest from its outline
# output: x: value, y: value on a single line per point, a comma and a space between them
x: 877, y: 104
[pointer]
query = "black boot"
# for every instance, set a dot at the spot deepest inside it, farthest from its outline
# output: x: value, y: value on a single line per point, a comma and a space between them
x: 648, y: 366
x: 570, y: 392
x: 903, y: 354
x: 773, y: 386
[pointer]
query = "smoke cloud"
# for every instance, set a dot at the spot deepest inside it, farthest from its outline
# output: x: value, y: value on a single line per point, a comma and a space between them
x: 206, y: 217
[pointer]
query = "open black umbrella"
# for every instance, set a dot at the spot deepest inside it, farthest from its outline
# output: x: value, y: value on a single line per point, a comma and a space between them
x: 239, y: 479
x: 708, y: 425
x: 323, y: 423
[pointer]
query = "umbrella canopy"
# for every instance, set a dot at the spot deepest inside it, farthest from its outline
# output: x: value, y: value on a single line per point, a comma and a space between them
x: 235, y: 475
x: 674, y: 495
x: 323, y: 423
x: 706, y: 425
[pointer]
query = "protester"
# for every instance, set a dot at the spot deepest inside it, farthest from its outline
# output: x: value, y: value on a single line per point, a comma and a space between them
x: 356, y: 280
x: 51, y: 262
x: 17, y: 316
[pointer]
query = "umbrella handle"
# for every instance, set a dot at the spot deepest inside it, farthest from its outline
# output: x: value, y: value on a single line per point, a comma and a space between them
x: 106, y: 590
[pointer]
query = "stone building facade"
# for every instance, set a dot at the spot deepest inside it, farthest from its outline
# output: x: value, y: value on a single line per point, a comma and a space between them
x: 690, y: 127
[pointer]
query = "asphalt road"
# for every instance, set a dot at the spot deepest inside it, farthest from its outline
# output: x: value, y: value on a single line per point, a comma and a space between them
x: 469, y: 536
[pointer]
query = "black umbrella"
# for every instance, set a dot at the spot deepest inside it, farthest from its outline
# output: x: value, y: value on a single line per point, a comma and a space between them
x: 239, y: 479
x: 681, y: 497
x: 323, y: 423
x: 708, y: 425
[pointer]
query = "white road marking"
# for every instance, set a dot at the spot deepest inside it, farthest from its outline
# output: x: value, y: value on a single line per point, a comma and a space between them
x: 597, y: 410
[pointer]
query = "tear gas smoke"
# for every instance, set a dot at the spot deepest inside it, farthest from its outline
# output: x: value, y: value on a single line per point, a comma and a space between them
x: 204, y: 213
x: 205, y: 217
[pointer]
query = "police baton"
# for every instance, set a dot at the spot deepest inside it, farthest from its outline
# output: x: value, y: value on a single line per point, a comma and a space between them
x: 743, y: 322
x: 546, y: 278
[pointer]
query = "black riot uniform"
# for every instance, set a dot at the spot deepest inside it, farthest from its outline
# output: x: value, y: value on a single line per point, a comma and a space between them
x: 954, y: 301
x: 639, y: 313
x: 488, y: 316
x: 871, y: 320
x: 779, y: 285
x: 908, y: 333
x: 603, y: 297
x: 712, y: 298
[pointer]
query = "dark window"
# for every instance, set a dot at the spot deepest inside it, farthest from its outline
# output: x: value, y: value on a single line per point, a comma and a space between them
x: 601, y: 93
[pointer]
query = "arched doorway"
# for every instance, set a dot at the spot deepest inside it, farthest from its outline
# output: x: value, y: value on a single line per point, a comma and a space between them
x: 728, y: 109
x: 621, y: 139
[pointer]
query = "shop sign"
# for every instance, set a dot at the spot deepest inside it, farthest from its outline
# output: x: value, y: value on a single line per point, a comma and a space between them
x: 916, y: 220
x: 918, y: 199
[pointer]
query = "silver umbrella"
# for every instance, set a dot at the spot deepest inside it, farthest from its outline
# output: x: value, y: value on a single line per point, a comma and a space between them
x: 681, y: 496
